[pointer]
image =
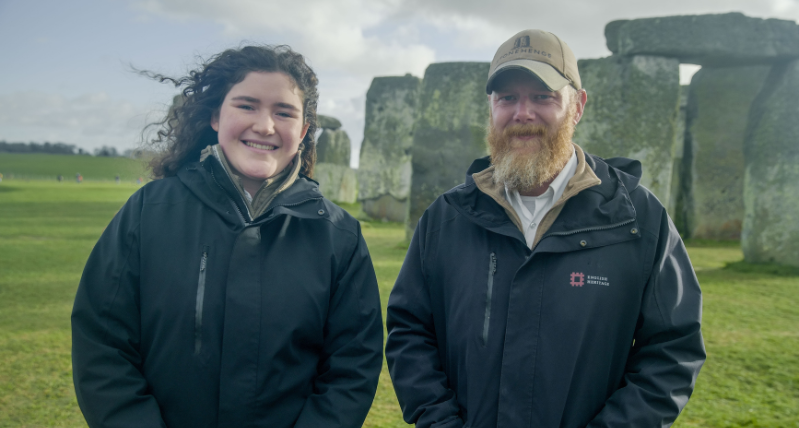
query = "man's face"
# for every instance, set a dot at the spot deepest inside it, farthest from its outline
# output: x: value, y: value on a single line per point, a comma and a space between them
x: 531, y: 130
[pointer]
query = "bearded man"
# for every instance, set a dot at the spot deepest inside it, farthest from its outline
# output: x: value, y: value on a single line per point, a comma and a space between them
x: 550, y: 289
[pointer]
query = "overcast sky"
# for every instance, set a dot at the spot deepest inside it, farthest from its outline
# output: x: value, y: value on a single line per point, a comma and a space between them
x: 65, y: 64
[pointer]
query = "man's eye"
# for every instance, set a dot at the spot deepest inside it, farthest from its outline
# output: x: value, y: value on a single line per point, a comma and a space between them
x: 508, y: 98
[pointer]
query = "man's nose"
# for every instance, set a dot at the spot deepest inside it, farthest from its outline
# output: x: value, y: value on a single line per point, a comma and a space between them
x: 264, y: 124
x: 525, y: 111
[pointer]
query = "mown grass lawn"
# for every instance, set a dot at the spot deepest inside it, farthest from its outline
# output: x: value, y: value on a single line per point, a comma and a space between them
x: 47, y: 229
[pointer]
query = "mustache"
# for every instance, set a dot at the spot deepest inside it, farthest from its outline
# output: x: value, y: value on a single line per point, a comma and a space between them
x: 528, y: 130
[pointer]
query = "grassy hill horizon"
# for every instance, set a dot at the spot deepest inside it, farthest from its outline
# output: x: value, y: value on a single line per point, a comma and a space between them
x: 40, y: 166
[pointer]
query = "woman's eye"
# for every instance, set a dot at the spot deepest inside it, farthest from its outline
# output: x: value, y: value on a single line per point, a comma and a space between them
x: 246, y: 107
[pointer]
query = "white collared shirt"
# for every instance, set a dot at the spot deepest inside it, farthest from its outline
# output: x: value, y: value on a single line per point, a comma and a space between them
x: 532, y: 209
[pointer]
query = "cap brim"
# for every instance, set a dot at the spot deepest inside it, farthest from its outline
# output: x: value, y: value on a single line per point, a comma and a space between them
x: 552, y: 79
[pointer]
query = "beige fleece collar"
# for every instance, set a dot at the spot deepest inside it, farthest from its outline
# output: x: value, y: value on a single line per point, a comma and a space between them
x: 258, y: 204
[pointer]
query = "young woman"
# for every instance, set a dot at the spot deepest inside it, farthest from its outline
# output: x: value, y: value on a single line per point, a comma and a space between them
x: 229, y: 292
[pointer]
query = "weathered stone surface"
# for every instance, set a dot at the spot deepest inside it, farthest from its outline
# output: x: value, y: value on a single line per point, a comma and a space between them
x: 718, y: 110
x: 386, y: 208
x: 771, y: 181
x: 327, y: 122
x: 449, y: 132
x: 333, y: 147
x: 336, y: 182
x: 632, y: 111
x: 384, y: 170
x: 722, y: 39
x: 676, y: 199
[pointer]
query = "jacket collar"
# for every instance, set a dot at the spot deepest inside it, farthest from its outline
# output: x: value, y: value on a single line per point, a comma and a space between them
x: 210, y: 183
x: 597, y: 197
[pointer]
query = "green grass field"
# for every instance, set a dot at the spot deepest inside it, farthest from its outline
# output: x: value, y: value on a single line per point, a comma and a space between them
x: 47, y: 229
x: 47, y: 167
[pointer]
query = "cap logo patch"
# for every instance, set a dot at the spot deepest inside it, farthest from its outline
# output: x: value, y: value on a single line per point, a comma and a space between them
x: 521, y: 42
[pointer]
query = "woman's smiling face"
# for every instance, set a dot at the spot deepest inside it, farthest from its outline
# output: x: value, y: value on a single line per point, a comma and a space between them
x: 260, y: 125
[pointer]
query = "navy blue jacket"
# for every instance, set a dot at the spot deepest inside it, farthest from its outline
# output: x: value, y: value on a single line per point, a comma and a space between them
x: 191, y: 314
x: 598, y: 325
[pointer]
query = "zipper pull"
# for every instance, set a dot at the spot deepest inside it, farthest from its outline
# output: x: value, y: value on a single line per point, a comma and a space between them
x: 203, y: 261
x: 493, y: 263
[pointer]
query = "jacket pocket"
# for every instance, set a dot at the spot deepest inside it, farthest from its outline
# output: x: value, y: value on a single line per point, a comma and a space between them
x: 198, y: 308
x: 492, y: 269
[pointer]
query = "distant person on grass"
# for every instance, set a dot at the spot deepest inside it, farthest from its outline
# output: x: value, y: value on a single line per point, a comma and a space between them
x: 228, y: 291
x: 551, y: 289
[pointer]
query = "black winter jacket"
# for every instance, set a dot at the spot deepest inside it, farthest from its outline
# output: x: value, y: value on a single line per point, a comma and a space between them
x: 598, y: 325
x: 191, y: 314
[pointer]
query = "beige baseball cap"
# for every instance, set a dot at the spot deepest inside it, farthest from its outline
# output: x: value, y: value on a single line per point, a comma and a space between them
x: 540, y: 52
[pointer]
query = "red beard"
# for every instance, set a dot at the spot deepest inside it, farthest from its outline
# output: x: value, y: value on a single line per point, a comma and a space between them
x: 524, y: 165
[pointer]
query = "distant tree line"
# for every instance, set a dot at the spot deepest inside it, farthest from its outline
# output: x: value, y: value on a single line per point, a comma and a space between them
x: 46, y: 147
x: 68, y: 149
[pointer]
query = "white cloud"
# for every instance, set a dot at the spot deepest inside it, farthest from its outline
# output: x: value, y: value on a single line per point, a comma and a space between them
x: 332, y: 34
x: 88, y: 121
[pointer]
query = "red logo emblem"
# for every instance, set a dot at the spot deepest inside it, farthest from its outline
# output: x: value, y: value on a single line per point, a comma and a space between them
x: 578, y: 279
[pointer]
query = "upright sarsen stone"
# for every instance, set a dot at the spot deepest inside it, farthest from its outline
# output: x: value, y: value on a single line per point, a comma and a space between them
x: 676, y: 199
x: 449, y: 132
x: 719, y: 39
x: 718, y: 111
x: 337, y: 180
x: 333, y: 146
x: 384, y: 171
x: 632, y: 111
x: 771, y: 181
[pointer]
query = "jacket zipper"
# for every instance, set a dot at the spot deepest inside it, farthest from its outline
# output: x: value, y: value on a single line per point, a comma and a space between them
x: 241, y: 216
x: 198, y: 308
x: 492, y: 269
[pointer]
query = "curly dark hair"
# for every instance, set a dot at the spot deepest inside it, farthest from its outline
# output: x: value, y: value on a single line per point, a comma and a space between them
x: 186, y: 129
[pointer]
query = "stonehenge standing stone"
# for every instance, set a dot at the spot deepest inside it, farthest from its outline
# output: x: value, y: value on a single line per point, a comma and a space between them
x: 384, y: 171
x: 676, y: 199
x: 449, y: 132
x: 632, y: 111
x: 771, y: 181
x: 713, y: 169
x: 337, y: 180
x: 722, y: 39
x: 327, y: 122
x: 333, y: 147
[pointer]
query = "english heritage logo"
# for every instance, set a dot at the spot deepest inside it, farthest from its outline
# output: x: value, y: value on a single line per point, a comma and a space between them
x: 578, y: 279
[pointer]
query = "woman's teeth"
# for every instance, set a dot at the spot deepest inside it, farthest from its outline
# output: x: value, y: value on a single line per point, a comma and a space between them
x: 259, y: 146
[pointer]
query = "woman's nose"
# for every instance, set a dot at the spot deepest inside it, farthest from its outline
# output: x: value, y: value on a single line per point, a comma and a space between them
x: 264, y: 124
